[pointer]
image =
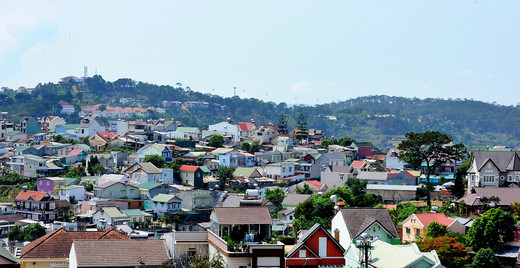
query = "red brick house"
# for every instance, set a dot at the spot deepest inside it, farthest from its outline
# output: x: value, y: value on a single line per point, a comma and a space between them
x: 317, y: 248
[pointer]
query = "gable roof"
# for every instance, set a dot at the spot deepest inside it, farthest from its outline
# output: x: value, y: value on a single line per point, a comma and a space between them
x: 503, y: 160
x: 34, y: 195
x: 244, y: 171
x: 148, y: 185
x: 315, y: 184
x: 75, y: 152
x: 243, y: 215
x: 163, y: 198
x: 149, y: 168
x: 245, y: 126
x: 308, y: 235
x: 359, y: 219
x: 508, y: 195
x: 427, y: 218
x: 114, y: 213
x: 295, y: 199
x: 57, y: 244
x: 188, y: 168
x: 358, y: 163
x: 151, y: 252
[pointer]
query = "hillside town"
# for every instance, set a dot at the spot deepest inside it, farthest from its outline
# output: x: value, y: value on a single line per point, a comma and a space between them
x: 242, y: 194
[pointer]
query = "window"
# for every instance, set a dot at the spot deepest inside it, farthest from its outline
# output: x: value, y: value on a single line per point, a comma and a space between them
x: 290, y: 169
x: 472, y: 177
x: 517, y: 178
x: 110, y: 193
x: 407, y: 230
x: 418, y: 231
x: 489, y: 179
x: 131, y: 191
x: 41, y: 182
x: 192, y: 251
x: 123, y: 192
x: 302, y: 253
x: 509, y: 177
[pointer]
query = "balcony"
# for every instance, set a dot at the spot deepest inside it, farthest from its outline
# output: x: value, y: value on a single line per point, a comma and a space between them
x: 240, y: 250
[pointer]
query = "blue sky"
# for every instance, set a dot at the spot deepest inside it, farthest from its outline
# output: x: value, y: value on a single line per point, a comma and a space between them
x: 294, y: 51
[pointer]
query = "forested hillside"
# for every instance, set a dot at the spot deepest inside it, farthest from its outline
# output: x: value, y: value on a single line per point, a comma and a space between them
x: 381, y: 119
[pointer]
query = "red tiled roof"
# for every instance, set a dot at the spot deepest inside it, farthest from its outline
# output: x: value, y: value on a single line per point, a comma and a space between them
x: 246, y: 126
x: 57, y: 244
x: 25, y: 195
x: 409, y: 174
x: 316, y: 184
x: 75, y: 152
x: 427, y: 218
x: 391, y: 175
x: 107, y: 135
x: 357, y: 163
x: 390, y: 207
x: 188, y: 168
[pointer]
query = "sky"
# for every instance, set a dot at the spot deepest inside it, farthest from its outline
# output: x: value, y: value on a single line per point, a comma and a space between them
x: 305, y: 52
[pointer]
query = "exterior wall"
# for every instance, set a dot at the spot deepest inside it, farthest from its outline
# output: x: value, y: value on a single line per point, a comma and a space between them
x: 334, y: 179
x: 338, y: 223
x: 114, y: 192
x: 489, y: 169
x: 44, y: 263
x: 415, y: 227
x: 78, y: 193
x: 167, y: 175
x: 394, y: 195
x: 394, y: 162
x: 226, y: 129
x: 376, y: 230
x: 161, y: 208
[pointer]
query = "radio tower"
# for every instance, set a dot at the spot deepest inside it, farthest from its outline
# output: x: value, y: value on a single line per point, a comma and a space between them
x: 85, y: 72
x: 234, y: 91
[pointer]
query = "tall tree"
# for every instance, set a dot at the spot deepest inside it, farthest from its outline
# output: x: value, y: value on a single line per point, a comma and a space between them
x: 485, y: 258
x: 458, y: 189
x: 223, y: 174
x: 436, y: 229
x: 432, y: 148
x: 282, y: 124
x: 276, y: 197
x: 301, y: 122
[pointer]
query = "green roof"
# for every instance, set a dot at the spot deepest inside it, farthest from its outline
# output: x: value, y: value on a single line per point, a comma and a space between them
x: 148, y: 185
x: 71, y: 187
x: 4, y: 253
x: 33, y: 157
x: 134, y: 212
x: 22, y: 148
x: 163, y: 198
x: 69, y: 181
x: 114, y: 213
x: 70, y: 126
x: 243, y: 171
x: 12, y: 133
x: 205, y: 169
x: 188, y: 129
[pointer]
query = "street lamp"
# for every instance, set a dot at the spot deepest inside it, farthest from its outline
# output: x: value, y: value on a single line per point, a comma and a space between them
x: 364, y: 242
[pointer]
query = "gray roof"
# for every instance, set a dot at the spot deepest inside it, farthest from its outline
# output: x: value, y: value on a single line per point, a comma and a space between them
x: 149, y: 168
x: 359, y: 219
x: 230, y: 201
x: 295, y: 199
x: 503, y: 160
x: 507, y: 195
x: 372, y: 176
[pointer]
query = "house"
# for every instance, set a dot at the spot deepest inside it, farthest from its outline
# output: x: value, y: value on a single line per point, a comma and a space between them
x: 383, y: 254
x: 373, y: 177
x: 251, y: 225
x: 336, y: 176
x: 137, y: 253
x: 192, y: 175
x: 494, y: 169
x: 227, y: 130
x: 163, y: 204
x: 331, y: 159
x: 364, y: 149
x: 392, y: 160
x: 51, y: 185
x: 7, y: 260
x: 52, y: 249
x: 349, y: 223
x: 101, y: 139
x: 137, y: 215
x: 416, y: 224
x: 21, y: 150
x: 236, y: 159
x: 90, y: 126
x: 6, y: 126
x: 280, y: 170
x: 246, y: 128
x: 317, y: 248
x: 147, y: 190
x: 401, y: 178
x: 28, y: 166
x: 265, y: 133
x: 196, y: 199
x: 75, y: 191
x: 186, y: 243
x: 50, y: 123
x: 397, y: 193
x: 116, y: 190
x: 106, y: 217
x: 29, y: 126
x: 250, y: 172
x: 473, y: 205
x: 66, y: 108
x: 75, y: 156
x: 293, y: 200
x: 120, y: 127
x: 314, y: 185
x: 189, y: 132
x: 38, y: 206
x: 66, y: 130
x: 144, y: 172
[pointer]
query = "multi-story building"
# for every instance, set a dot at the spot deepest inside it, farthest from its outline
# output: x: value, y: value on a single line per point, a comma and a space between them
x: 38, y: 206
x: 494, y: 169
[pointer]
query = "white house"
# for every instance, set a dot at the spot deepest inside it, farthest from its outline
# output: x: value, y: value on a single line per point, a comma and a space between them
x: 279, y: 170
x: 89, y: 126
x: 144, y: 172
x: 392, y: 160
x: 66, y: 192
x: 109, y: 216
x: 165, y: 203
x: 226, y: 129
x: 66, y: 108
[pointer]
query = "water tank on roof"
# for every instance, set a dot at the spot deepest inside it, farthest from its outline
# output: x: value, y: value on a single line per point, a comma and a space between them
x: 252, y: 193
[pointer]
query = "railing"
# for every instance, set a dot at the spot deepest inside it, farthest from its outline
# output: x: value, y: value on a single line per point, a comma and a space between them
x: 217, y: 241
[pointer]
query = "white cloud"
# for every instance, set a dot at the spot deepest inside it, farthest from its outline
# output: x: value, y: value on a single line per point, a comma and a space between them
x: 300, y: 87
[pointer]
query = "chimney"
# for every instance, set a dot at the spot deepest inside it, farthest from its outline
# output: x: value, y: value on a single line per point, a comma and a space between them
x: 336, y: 234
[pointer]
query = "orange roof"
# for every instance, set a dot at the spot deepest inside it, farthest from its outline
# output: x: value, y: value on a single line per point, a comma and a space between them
x: 107, y: 135
x: 246, y: 126
x: 316, y: 184
x: 390, y: 207
x: 188, y: 168
x: 25, y: 195
x: 427, y: 218
x: 357, y: 163
x: 75, y: 152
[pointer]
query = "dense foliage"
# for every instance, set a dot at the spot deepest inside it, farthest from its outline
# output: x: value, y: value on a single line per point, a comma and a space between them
x: 436, y: 229
x: 31, y: 232
x: 156, y: 160
x: 491, y: 230
x: 485, y: 258
x: 451, y: 252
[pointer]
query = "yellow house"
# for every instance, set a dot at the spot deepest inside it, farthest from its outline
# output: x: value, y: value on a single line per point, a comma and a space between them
x: 53, y: 249
x: 415, y: 225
